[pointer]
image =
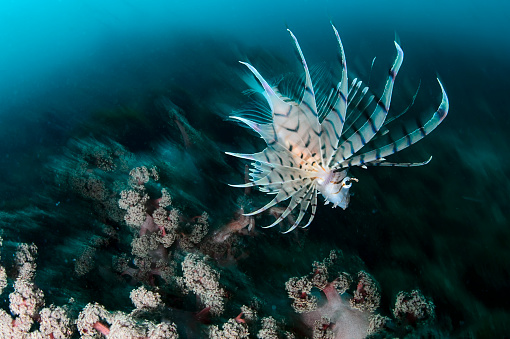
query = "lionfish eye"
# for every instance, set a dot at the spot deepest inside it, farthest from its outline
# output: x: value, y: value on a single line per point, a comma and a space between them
x: 347, y: 182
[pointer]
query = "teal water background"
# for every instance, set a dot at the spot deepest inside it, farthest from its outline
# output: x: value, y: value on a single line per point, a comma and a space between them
x: 67, y: 69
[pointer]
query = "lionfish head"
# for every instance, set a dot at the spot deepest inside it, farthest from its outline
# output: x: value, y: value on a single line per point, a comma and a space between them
x: 334, y: 187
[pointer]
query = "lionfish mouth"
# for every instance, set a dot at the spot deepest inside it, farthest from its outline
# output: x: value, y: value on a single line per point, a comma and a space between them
x: 309, y: 134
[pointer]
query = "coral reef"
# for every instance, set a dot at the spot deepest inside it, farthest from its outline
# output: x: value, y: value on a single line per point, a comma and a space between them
x: 26, y: 304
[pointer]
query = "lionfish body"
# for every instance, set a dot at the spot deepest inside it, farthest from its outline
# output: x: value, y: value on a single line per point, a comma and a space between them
x: 307, y: 151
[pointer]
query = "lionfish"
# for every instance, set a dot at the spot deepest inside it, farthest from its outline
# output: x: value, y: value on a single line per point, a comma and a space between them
x: 307, y: 149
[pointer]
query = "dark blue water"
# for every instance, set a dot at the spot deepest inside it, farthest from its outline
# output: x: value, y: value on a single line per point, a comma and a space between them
x: 94, y: 74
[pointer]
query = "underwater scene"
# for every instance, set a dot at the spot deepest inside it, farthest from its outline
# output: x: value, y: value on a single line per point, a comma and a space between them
x: 254, y: 169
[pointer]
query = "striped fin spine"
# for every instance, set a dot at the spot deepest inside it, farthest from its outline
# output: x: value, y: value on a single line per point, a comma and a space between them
x: 278, y: 155
x: 275, y: 103
x: 283, y: 194
x: 374, y: 122
x: 266, y: 131
x: 311, y: 197
x: 263, y: 175
x: 405, y: 141
x: 296, y: 200
x: 313, y: 209
x: 291, y: 127
x: 382, y: 162
x: 332, y: 125
x: 305, y: 115
x: 353, y: 90
x: 354, y: 102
